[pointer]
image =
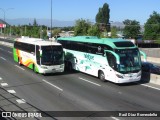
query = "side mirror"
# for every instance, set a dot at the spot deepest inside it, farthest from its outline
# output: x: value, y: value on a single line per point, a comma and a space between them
x: 75, y: 60
x: 40, y: 53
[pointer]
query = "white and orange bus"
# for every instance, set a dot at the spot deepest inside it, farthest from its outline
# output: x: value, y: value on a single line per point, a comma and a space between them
x: 40, y: 55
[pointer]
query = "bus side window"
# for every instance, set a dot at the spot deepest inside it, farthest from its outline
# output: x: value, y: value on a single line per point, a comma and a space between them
x: 91, y: 48
x: 68, y: 45
x: 37, y: 54
x: 111, y: 60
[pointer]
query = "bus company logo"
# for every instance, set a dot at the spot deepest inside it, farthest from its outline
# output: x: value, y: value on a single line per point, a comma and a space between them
x: 6, y: 114
x: 89, y: 57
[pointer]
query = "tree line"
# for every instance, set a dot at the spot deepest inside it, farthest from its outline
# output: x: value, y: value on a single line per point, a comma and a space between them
x: 102, y: 27
x: 131, y: 29
x: 34, y: 30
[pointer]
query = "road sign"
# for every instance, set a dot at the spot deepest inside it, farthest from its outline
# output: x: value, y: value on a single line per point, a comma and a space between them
x: 2, y: 25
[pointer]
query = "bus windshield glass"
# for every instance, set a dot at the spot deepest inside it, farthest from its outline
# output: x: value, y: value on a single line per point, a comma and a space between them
x: 129, y: 60
x: 52, y: 55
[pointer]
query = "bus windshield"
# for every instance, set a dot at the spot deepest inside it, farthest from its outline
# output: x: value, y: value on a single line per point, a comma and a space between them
x: 129, y: 60
x: 52, y: 55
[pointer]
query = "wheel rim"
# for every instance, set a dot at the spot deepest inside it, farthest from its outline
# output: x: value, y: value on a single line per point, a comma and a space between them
x: 102, y: 76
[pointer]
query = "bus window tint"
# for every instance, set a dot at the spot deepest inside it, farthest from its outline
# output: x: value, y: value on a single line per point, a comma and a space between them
x: 52, y: 55
x: 111, y: 60
x: 25, y: 47
x: 129, y: 60
x: 38, y: 54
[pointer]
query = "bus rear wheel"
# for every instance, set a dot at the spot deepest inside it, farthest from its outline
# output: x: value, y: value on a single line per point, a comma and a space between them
x: 70, y: 66
x: 101, y: 76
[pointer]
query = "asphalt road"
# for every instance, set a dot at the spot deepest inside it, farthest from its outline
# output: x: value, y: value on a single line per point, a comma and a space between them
x: 6, y: 40
x: 74, y: 91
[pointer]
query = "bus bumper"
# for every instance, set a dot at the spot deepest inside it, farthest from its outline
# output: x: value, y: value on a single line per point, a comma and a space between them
x: 128, y: 80
x: 51, y: 69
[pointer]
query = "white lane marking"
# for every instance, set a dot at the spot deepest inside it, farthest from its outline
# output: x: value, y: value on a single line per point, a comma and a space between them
x: 53, y: 85
x: 3, y: 58
x: 4, y: 84
x: 150, y: 86
x: 119, y: 92
x: 19, y: 67
x: 11, y: 91
x: 20, y: 101
x: 115, y: 118
x: 10, y: 52
x: 0, y: 78
x: 89, y: 81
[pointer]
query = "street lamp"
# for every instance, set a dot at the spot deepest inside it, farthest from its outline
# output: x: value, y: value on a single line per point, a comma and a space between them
x: 51, y: 18
x: 4, y: 11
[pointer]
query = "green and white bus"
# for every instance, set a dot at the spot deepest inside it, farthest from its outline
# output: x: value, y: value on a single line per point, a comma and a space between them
x: 115, y: 60
x: 40, y: 55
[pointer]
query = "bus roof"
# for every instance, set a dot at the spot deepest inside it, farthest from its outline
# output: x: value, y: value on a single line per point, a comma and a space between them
x: 112, y: 42
x: 37, y: 41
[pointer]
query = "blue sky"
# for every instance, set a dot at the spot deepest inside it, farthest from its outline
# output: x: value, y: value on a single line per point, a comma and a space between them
x: 71, y: 10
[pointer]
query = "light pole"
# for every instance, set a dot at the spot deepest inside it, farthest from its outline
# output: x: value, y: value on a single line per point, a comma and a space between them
x: 4, y: 12
x: 51, y: 18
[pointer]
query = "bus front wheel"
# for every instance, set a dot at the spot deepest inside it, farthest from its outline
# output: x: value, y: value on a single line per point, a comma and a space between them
x: 101, y: 76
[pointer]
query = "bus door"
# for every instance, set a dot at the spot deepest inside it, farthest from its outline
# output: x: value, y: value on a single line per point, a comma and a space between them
x: 113, y: 61
x: 38, y: 54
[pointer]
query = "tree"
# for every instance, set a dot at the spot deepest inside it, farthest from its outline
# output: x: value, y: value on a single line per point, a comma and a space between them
x: 81, y: 27
x: 152, y: 27
x: 35, y: 23
x: 56, y: 31
x: 114, y: 32
x: 131, y: 29
x: 94, y: 31
x: 103, y: 16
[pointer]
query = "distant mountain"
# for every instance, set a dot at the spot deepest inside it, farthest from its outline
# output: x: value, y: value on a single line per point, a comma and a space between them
x: 47, y: 22
x: 55, y: 23
x: 118, y: 24
x: 3, y: 22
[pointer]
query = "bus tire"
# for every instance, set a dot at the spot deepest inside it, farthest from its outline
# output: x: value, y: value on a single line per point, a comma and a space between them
x: 101, y: 76
x: 70, y: 66
x: 19, y: 62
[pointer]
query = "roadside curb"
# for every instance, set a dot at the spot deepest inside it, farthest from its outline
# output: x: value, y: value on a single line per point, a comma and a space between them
x: 155, y: 79
x: 150, y: 78
x: 6, y: 44
x: 155, y: 60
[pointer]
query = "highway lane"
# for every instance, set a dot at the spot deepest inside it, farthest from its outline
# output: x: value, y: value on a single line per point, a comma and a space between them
x: 31, y: 87
x: 6, y: 40
x: 76, y: 94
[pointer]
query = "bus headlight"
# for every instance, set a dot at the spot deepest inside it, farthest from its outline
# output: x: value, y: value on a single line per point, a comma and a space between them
x: 61, y: 66
x: 119, y: 76
x: 139, y: 74
x: 44, y: 67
